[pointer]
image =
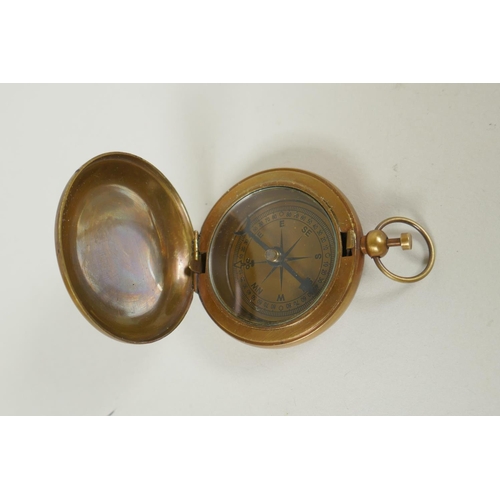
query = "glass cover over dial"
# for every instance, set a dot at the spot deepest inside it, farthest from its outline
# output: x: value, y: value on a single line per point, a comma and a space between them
x: 272, y: 255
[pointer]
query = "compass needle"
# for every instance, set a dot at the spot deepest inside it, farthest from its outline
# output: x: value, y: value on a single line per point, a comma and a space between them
x: 291, y: 220
x: 289, y: 259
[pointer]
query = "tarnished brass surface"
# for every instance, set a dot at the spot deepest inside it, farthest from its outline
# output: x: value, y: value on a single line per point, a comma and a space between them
x: 124, y: 243
x: 376, y: 244
x: 336, y: 295
x: 130, y: 259
x: 405, y: 241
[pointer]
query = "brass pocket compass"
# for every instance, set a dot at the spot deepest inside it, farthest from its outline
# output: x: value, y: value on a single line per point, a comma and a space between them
x: 277, y: 260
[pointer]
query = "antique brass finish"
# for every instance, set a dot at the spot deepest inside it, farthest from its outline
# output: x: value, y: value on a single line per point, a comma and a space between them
x: 350, y: 240
x: 131, y: 260
x: 405, y: 241
x: 123, y: 242
x: 196, y: 264
x: 333, y: 300
x: 376, y: 244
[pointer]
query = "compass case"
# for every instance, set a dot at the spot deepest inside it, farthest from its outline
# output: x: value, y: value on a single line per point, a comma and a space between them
x: 131, y: 261
x: 333, y: 299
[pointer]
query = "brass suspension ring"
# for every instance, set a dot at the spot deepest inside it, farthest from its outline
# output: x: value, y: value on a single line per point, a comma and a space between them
x: 430, y: 246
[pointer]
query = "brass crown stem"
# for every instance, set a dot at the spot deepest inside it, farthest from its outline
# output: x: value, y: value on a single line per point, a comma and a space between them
x: 376, y: 244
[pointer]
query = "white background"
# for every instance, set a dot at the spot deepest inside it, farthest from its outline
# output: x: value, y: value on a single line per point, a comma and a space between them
x: 429, y: 152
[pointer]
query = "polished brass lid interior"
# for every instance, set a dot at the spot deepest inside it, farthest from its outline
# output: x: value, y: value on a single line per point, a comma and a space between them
x: 124, y: 243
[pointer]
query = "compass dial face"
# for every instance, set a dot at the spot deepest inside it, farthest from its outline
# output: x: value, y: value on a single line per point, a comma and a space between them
x: 273, y: 254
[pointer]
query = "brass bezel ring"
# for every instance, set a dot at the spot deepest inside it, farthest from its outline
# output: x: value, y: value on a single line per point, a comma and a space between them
x: 430, y: 246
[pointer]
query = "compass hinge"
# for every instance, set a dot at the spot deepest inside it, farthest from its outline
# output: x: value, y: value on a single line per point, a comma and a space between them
x: 197, y: 263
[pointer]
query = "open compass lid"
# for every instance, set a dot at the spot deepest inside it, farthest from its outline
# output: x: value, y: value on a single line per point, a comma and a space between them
x: 124, y: 245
